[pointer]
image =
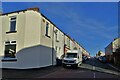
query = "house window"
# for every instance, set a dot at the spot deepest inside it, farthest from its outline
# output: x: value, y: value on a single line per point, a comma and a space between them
x: 57, y: 36
x: 47, y: 30
x: 69, y: 43
x: 56, y: 48
x: 10, y: 49
x: 60, y: 50
x: 12, y: 24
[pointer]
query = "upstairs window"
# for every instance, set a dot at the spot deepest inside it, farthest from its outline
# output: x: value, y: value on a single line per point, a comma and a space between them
x: 47, y: 30
x: 12, y: 24
x: 69, y: 43
x: 57, y: 36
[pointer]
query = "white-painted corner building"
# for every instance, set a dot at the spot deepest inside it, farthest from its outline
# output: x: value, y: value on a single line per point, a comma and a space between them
x: 28, y: 39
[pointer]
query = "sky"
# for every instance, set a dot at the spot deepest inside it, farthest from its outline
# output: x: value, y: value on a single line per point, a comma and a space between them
x: 92, y: 24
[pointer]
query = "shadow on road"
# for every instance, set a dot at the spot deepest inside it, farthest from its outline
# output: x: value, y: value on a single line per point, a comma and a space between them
x: 27, y: 73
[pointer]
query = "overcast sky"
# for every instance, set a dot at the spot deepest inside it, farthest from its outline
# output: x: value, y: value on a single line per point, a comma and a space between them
x: 93, y: 25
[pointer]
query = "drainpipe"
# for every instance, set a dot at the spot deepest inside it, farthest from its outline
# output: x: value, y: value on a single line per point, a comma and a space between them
x: 64, y: 44
x: 53, y: 47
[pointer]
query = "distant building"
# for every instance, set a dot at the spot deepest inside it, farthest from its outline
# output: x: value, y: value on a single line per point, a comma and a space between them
x: 111, y: 49
x: 116, y: 56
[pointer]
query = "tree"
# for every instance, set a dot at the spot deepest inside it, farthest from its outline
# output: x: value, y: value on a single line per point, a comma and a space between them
x: 99, y: 53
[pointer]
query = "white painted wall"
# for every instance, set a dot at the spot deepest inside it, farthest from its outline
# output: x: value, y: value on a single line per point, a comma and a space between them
x: 47, y: 41
x: 112, y: 47
x: 1, y: 48
x: 31, y: 57
x: 59, y: 44
x: 0, y: 34
x: 67, y: 41
x: 116, y: 44
x: 72, y: 45
x: 32, y: 28
x: 32, y: 49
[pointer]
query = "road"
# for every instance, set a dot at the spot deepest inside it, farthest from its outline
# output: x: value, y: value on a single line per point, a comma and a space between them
x: 92, y: 68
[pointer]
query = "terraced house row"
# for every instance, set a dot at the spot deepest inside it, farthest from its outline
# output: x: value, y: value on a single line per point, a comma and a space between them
x: 112, y: 51
x: 28, y: 39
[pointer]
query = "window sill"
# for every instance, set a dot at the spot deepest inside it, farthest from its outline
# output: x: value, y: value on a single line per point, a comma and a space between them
x: 11, y: 32
x: 47, y: 36
x: 8, y: 59
x: 57, y: 40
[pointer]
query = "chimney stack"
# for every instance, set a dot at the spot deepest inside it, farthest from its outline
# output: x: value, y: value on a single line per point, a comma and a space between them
x: 34, y: 9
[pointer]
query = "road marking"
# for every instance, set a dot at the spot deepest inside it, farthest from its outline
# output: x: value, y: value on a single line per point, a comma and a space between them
x: 93, y: 67
x: 94, y: 75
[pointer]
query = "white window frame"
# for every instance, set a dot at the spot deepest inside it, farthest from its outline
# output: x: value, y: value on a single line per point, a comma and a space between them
x: 47, y: 31
x: 57, y: 35
x: 8, y: 58
x: 12, y: 21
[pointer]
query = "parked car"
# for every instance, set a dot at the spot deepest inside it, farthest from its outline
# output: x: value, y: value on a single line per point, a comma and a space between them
x: 97, y: 57
x: 102, y: 59
x: 89, y: 57
x: 84, y: 58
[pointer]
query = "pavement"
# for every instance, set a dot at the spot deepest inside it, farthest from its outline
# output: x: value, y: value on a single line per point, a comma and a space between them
x: 91, y: 69
x: 114, y: 66
x: 94, y: 64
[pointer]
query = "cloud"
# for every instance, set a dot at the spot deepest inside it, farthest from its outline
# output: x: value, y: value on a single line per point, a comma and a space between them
x: 91, y: 26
